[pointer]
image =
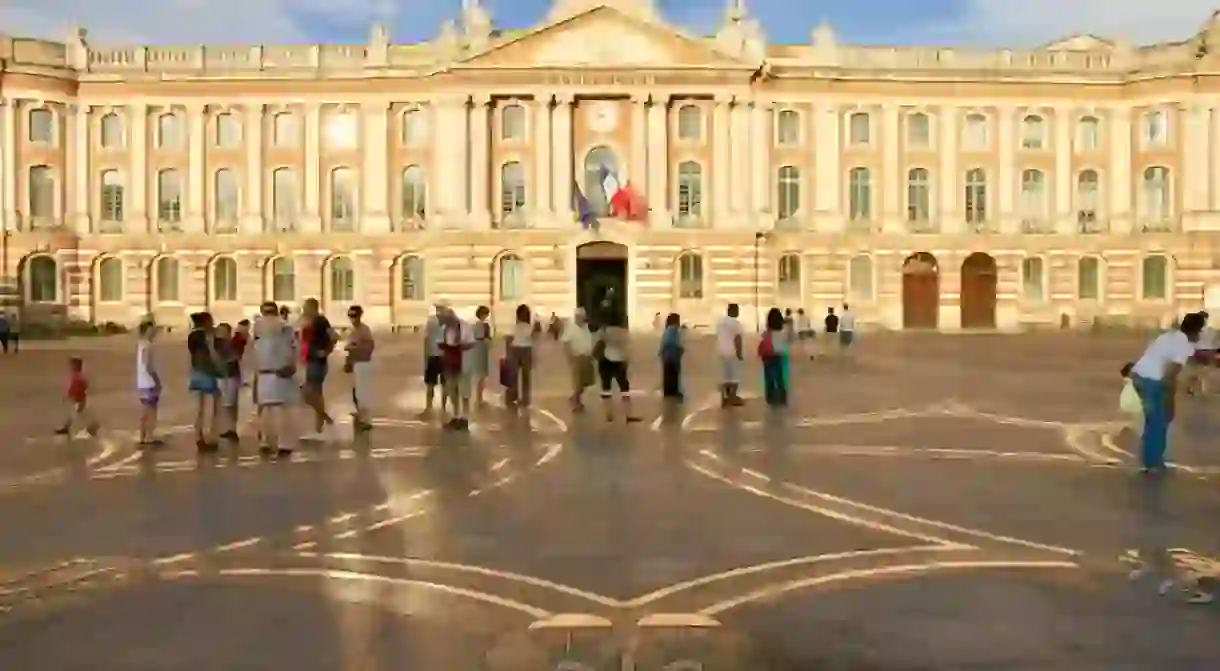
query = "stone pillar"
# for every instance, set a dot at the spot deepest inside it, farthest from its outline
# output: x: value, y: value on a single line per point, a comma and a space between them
x: 1065, y: 181
x: 137, y: 202
x: 1122, y: 219
x: 252, y: 198
x: 893, y: 185
x: 658, y: 162
x: 637, y: 172
x: 311, y: 215
x: 480, y: 161
x: 1214, y: 178
x: 8, y: 164
x: 196, y: 180
x: 544, y: 180
x: 562, y: 154
x: 78, y: 160
x: 1006, y: 180
x: 760, y: 165
x: 828, y: 179
x: 739, y: 151
x: 375, y: 210
x: 721, y: 162
x: 450, y: 157
x: 1195, y: 143
x: 949, y: 180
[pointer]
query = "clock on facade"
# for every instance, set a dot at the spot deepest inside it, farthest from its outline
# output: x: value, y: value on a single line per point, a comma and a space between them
x: 603, y: 117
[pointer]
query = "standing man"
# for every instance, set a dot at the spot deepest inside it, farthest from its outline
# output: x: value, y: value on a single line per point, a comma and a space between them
x: 275, y: 357
x: 578, y: 341
x: 359, y: 364
x: 831, y: 324
x: 847, y: 328
x: 434, y: 365
x: 1155, y: 376
x: 729, y: 332
x: 318, y: 341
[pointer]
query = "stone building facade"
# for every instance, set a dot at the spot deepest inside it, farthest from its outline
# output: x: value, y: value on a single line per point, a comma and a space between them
x: 928, y: 187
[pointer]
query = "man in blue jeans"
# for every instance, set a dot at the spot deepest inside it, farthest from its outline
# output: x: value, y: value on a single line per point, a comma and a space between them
x: 1155, y: 376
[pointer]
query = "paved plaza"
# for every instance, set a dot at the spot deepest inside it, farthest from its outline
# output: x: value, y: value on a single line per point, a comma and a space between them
x: 934, y: 502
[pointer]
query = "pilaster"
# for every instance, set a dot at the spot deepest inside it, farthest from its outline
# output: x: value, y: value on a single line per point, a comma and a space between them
x: 1064, y: 190
x: 739, y: 153
x: 544, y: 181
x: 1121, y: 219
x: 1194, y: 180
x: 196, y: 182
x: 658, y: 162
x: 721, y: 164
x: 827, y: 145
x: 892, y: 182
x: 78, y: 163
x: 8, y: 164
x: 637, y: 174
x: 562, y: 153
x: 1006, y: 180
x: 311, y: 216
x: 949, y: 180
x: 759, y: 165
x: 252, y: 196
x: 375, y: 215
x: 480, y: 161
x: 137, y: 202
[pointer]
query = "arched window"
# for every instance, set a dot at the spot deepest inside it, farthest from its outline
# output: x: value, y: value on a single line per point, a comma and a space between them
x: 43, y: 278
x: 860, y: 278
x: 690, y: 275
x: 1088, y: 278
x: 919, y: 196
x: 224, y: 279
x: 859, y: 129
x: 919, y: 131
x: 512, y: 277
x: 599, y: 159
x: 788, y: 191
x: 42, y: 126
x: 860, y: 194
x: 228, y: 130
x: 1088, y: 134
x: 976, y: 196
x: 412, y: 269
x: 1155, y: 128
x: 342, y: 198
x: 283, y: 280
x: 226, y: 197
x: 284, y: 198
x: 112, y: 196
x: 1156, y: 194
x: 512, y: 122
x: 414, y: 128
x: 1033, y: 196
x: 342, y: 280
x: 1088, y: 200
x: 788, y: 128
x: 690, y: 123
x: 414, y: 193
x: 690, y: 192
x: 974, y: 132
x: 285, y: 130
x: 1033, y: 286
x: 1155, y: 277
x: 42, y: 192
x: 169, y: 197
x: 1033, y: 132
x: 169, y: 131
x: 166, y: 273
x: 111, y: 131
x: 788, y: 275
x: 512, y: 189
x: 342, y: 130
x: 110, y: 280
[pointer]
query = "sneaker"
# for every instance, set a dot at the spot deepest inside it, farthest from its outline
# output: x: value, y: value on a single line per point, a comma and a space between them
x: 231, y: 436
x: 1200, y: 599
x: 266, y: 451
x: 283, y: 453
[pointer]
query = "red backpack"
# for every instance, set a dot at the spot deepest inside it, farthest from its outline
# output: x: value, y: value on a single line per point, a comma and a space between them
x: 766, y: 348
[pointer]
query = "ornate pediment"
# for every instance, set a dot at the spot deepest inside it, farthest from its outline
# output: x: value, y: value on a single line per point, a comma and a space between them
x: 1082, y: 42
x: 601, y: 37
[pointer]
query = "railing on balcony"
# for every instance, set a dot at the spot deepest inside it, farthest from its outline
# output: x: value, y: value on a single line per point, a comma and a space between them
x: 225, y: 226
x: 690, y: 220
x: 1037, y: 226
x: 922, y: 226
x: 512, y: 220
x: 984, y: 227
x: 1087, y: 222
x: 169, y: 226
x: 110, y: 226
x: 1158, y: 225
x: 281, y: 225
x: 861, y: 225
x: 792, y: 223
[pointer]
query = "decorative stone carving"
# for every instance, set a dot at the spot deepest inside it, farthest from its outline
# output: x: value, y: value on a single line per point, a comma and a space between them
x: 476, y: 24
x: 378, y: 55
x: 741, y: 35
x: 448, y: 43
x: 595, y: 45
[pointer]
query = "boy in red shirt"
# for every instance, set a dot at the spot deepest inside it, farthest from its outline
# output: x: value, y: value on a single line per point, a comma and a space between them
x: 77, y: 400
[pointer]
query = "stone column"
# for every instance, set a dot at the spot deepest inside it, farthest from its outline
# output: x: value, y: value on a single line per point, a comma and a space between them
x: 1065, y: 182
x: 544, y: 180
x: 721, y: 161
x: 739, y: 152
x: 893, y: 185
x: 480, y: 161
x: 196, y: 180
x: 136, y: 205
x: 78, y: 160
x: 252, y: 198
x: 948, y: 209
x: 8, y: 164
x: 311, y: 212
x: 1195, y: 143
x: 1122, y: 219
x: 1006, y: 180
x: 637, y: 172
x: 449, y: 158
x: 760, y: 165
x: 562, y: 154
x: 375, y: 212
x: 658, y: 162
x: 828, y: 180
x: 1214, y: 160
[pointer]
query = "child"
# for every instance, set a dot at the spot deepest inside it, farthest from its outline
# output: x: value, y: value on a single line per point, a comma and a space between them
x: 1130, y: 404
x: 77, y: 399
x: 228, y: 382
x: 148, y: 385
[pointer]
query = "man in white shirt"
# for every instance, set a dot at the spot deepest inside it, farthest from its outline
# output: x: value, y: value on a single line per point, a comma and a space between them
x: 433, y: 364
x: 578, y: 341
x: 847, y: 328
x: 729, y: 332
x: 1155, y: 376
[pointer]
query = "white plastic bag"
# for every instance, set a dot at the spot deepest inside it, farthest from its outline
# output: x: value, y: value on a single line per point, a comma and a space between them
x: 1129, y: 400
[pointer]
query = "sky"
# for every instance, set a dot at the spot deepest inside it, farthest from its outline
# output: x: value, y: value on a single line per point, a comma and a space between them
x: 1014, y: 23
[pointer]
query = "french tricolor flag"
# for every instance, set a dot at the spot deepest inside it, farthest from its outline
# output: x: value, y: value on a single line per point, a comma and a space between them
x: 625, y: 202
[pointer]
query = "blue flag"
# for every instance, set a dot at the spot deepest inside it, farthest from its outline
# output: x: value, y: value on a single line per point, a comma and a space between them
x: 584, y: 209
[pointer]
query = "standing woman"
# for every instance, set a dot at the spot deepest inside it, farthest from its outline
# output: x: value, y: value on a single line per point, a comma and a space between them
x: 519, y: 347
x: 671, y: 357
x: 611, y: 350
x: 773, y: 350
x: 480, y: 354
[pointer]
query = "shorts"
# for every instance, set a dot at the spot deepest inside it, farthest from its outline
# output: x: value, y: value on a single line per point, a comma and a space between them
x: 202, y: 383
x: 229, y: 387
x: 457, y: 382
x: 613, y: 373
x: 434, y: 370
x: 149, y: 398
x: 846, y: 338
x: 271, y: 389
x: 730, y: 370
x: 315, y: 373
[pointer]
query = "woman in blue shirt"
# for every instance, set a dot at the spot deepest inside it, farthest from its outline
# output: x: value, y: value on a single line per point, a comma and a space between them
x: 671, y: 357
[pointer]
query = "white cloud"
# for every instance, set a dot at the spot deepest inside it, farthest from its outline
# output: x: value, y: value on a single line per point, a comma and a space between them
x: 1039, y: 21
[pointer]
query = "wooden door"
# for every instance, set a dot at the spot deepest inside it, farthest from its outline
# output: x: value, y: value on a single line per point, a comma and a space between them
x: 920, y: 292
x: 978, y: 292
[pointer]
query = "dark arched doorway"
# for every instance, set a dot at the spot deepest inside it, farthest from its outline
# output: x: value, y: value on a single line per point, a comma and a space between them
x: 920, y: 291
x: 978, y: 291
x: 601, y: 272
